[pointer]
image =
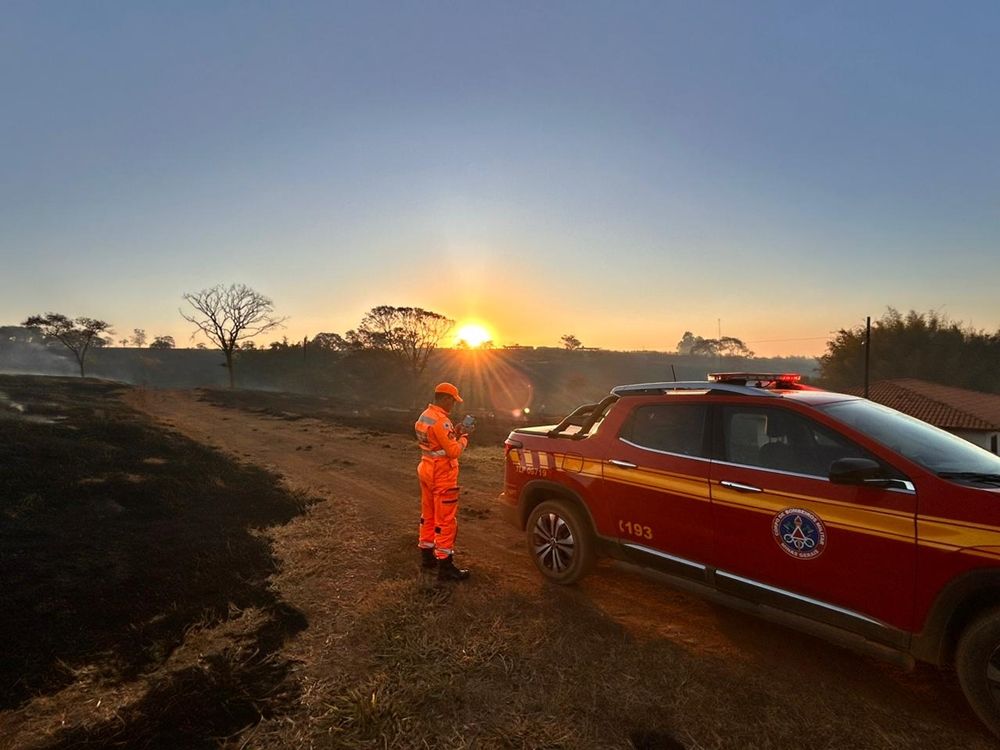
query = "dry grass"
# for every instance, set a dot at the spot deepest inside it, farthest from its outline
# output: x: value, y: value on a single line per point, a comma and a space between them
x: 478, y: 665
x: 464, y: 666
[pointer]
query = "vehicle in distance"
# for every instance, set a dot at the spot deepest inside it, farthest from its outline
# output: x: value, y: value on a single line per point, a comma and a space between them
x: 820, y: 510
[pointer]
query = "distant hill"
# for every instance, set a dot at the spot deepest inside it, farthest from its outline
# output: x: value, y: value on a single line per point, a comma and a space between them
x: 546, y: 380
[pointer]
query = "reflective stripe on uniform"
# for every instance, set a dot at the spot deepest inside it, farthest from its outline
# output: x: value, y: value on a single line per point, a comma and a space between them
x: 434, y: 454
x: 427, y: 420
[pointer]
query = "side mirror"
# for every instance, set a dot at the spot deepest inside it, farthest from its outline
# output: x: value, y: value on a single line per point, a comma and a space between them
x: 856, y: 471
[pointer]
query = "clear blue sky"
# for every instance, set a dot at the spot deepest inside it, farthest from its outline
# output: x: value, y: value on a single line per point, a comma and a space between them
x: 623, y: 171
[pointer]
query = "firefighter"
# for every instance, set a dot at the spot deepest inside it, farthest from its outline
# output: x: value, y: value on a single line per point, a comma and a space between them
x: 441, y: 444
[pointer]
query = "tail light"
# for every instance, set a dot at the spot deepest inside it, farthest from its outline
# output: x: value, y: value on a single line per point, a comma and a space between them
x: 509, y: 444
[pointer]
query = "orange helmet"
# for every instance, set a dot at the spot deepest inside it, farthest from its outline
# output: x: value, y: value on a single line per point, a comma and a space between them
x: 449, y: 389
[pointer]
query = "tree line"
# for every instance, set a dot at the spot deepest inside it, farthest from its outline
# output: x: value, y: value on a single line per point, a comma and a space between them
x: 928, y: 345
x: 230, y: 317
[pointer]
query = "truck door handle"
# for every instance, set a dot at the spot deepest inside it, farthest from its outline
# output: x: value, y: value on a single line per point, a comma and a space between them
x: 741, y: 487
x: 622, y: 464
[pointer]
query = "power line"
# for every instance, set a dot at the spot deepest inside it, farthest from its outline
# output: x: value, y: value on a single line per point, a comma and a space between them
x: 777, y: 341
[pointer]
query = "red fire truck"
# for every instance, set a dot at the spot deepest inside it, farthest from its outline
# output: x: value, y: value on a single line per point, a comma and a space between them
x: 821, y: 510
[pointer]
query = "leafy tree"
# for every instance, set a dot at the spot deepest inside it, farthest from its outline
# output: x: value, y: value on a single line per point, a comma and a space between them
x: 162, y: 342
x: 412, y: 334
x: 123, y: 342
x: 329, y: 342
x: 229, y: 315
x: 571, y: 342
x: 928, y: 346
x: 688, y: 342
x: 77, y: 335
x: 139, y: 337
x: 727, y: 346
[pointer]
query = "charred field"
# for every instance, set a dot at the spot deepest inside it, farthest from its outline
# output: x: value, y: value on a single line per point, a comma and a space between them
x: 119, y: 540
x: 491, y: 429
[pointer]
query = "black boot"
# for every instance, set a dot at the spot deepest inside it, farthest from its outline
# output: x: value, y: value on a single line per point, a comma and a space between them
x: 448, y: 572
x: 427, y: 559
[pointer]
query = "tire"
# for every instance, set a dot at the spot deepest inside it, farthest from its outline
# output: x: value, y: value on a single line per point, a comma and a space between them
x: 977, y: 661
x: 560, y: 541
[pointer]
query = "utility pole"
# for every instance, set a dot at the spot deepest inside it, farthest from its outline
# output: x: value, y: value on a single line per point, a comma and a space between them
x: 868, y: 350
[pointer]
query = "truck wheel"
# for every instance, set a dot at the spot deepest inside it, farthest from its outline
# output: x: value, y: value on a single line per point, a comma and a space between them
x: 977, y: 661
x: 560, y: 541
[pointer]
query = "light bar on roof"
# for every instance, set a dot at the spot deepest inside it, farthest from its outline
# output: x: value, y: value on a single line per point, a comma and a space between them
x: 760, y: 377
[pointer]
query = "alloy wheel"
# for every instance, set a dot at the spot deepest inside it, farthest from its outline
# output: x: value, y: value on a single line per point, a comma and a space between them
x: 554, y: 544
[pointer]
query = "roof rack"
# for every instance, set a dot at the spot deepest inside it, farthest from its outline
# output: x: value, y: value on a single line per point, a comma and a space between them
x: 688, y: 386
x: 583, y: 417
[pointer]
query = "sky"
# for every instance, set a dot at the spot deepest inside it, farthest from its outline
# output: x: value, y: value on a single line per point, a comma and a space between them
x: 621, y: 171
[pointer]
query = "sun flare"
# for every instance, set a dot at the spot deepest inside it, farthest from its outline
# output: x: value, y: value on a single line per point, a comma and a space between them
x: 473, y: 334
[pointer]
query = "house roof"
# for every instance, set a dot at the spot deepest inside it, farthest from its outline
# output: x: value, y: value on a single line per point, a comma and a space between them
x: 940, y: 405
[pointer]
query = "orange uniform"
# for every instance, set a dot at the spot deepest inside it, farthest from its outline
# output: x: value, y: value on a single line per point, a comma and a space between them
x: 438, y: 473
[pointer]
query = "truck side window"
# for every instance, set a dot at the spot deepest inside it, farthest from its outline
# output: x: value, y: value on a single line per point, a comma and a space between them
x: 671, y: 428
x: 782, y: 440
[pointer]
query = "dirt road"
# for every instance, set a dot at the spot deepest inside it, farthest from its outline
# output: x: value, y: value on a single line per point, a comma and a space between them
x: 725, y: 679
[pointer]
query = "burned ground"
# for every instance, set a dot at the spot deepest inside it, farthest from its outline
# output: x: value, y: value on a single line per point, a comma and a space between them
x: 351, y: 646
x: 491, y: 428
x: 116, y: 539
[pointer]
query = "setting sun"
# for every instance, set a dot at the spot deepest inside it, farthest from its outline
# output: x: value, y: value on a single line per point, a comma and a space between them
x: 473, y: 334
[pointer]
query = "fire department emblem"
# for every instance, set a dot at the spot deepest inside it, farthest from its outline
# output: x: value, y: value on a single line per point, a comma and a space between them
x: 799, y: 532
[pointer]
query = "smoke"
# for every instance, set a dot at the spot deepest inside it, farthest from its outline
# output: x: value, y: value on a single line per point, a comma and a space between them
x: 22, y: 358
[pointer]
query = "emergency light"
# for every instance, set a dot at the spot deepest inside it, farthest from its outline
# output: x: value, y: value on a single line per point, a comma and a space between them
x: 762, y: 378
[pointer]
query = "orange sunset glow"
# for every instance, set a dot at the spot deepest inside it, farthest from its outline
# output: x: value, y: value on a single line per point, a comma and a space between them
x: 474, y: 334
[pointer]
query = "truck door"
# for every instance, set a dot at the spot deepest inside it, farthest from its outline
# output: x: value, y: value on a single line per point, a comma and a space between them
x: 656, y: 483
x: 784, y: 534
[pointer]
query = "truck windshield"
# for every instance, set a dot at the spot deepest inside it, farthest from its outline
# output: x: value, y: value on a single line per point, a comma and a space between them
x: 932, y: 448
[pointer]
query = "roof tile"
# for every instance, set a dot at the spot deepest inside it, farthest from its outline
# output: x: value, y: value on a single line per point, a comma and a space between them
x: 940, y: 405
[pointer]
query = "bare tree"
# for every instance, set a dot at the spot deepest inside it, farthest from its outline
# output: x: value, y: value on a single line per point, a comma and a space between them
x: 139, y: 337
x: 229, y: 315
x: 77, y: 335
